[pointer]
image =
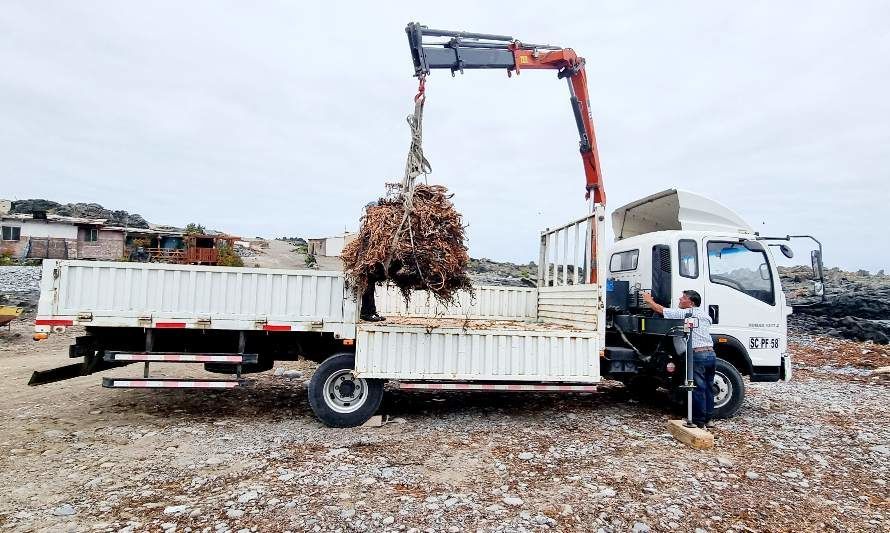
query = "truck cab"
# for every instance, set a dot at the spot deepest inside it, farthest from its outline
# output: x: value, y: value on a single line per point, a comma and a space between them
x: 674, y: 241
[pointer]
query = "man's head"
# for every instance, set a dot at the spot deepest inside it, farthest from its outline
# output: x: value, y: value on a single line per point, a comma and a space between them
x: 690, y: 299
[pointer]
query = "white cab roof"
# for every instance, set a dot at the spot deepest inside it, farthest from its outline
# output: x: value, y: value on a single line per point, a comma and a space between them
x: 675, y: 209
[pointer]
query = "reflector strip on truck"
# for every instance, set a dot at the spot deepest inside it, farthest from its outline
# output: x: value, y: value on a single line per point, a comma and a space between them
x: 53, y: 322
x: 512, y: 387
x: 172, y: 383
x: 163, y: 357
x: 276, y: 327
x: 169, y: 325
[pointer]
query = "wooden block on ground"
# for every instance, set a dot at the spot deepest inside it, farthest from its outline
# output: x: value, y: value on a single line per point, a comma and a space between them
x: 374, y: 422
x: 698, y: 438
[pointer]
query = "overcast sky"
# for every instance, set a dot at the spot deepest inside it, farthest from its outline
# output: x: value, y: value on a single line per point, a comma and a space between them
x: 273, y: 118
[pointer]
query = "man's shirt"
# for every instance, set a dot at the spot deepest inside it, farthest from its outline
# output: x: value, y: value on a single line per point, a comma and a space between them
x: 701, y: 336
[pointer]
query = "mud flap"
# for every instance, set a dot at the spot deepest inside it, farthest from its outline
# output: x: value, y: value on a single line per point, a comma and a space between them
x: 90, y: 365
x: 42, y: 377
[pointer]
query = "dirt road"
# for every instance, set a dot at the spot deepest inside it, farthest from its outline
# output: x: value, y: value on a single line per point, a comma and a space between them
x: 811, y: 454
x: 281, y: 254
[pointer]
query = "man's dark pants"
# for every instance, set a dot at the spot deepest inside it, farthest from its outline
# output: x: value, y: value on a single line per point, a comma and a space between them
x: 369, y: 306
x: 704, y: 365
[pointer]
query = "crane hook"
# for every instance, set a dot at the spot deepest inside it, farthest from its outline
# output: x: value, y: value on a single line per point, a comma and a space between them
x: 421, y: 89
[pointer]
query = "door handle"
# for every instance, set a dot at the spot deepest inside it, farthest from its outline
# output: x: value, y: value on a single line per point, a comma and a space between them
x: 714, y: 311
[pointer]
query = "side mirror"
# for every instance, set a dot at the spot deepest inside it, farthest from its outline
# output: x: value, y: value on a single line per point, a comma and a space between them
x: 816, y: 261
x: 753, y: 246
x: 786, y: 251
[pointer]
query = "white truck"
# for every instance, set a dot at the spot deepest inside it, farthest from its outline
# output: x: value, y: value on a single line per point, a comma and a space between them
x: 564, y: 335
x: 674, y: 241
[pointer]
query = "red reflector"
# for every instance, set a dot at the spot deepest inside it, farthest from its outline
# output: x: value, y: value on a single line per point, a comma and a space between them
x: 272, y: 327
x: 671, y: 367
x: 169, y: 325
x: 53, y: 322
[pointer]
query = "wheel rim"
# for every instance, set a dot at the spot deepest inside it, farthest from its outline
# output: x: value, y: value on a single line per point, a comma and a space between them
x: 344, y: 393
x: 722, y: 387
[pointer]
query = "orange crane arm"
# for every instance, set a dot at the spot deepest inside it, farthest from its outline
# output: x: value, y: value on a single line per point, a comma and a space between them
x: 464, y: 50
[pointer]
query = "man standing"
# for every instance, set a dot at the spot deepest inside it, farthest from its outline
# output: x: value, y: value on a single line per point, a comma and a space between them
x: 368, y: 310
x: 704, y: 358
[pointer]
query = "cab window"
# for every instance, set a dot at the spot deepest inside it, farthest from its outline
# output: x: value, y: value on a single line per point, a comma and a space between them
x: 747, y: 271
x: 688, y: 250
x: 624, y: 261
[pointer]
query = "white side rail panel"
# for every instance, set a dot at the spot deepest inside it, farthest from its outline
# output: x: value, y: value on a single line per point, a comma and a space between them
x: 413, y: 353
x: 571, y: 305
x: 95, y: 293
x: 489, y: 302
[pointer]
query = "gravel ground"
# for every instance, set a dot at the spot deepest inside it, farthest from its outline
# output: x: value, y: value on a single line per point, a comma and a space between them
x: 19, y: 278
x: 810, y: 454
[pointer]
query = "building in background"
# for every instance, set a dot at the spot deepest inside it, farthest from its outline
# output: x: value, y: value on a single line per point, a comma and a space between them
x: 330, y: 246
x: 41, y: 236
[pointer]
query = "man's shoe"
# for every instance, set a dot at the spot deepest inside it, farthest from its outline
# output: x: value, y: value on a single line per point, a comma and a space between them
x: 710, y: 424
x: 372, y: 318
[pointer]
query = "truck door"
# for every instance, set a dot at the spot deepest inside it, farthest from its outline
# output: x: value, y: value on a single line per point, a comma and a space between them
x: 740, y: 292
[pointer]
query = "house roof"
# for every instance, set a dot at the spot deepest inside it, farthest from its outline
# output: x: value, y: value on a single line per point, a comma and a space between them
x: 144, y: 231
x: 59, y: 219
x: 340, y: 236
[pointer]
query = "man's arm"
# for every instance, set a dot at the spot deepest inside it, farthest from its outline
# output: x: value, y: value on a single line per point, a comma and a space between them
x: 658, y: 308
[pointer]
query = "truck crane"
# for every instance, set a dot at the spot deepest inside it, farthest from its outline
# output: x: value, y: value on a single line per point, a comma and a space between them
x: 583, y: 321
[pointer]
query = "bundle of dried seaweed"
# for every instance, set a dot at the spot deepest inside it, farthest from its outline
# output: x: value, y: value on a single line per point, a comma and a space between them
x: 423, y: 251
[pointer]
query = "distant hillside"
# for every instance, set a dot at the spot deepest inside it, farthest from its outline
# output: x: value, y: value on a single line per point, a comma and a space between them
x: 488, y: 272
x: 114, y: 217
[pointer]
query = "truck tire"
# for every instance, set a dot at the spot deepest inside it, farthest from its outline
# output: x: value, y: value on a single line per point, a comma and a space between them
x: 337, y: 398
x: 729, y: 390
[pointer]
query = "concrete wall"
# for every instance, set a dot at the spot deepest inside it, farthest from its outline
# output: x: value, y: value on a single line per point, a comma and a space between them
x: 44, y: 229
x: 316, y: 247
x: 333, y: 246
x: 330, y: 246
x: 109, y: 247
x: 52, y: 248
x: 16, y: 248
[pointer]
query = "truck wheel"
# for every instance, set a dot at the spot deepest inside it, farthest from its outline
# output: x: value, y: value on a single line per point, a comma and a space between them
x: 338, y: 398
x: 729, y: 390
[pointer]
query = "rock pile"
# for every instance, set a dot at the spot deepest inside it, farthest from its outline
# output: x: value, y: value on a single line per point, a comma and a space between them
x: 114, y: 217
x: 857, y: 304
x: 20, y: 287
x: 243, y: 251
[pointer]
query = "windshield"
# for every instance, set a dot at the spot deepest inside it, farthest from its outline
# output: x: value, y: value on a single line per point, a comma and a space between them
x: 747, y: 271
